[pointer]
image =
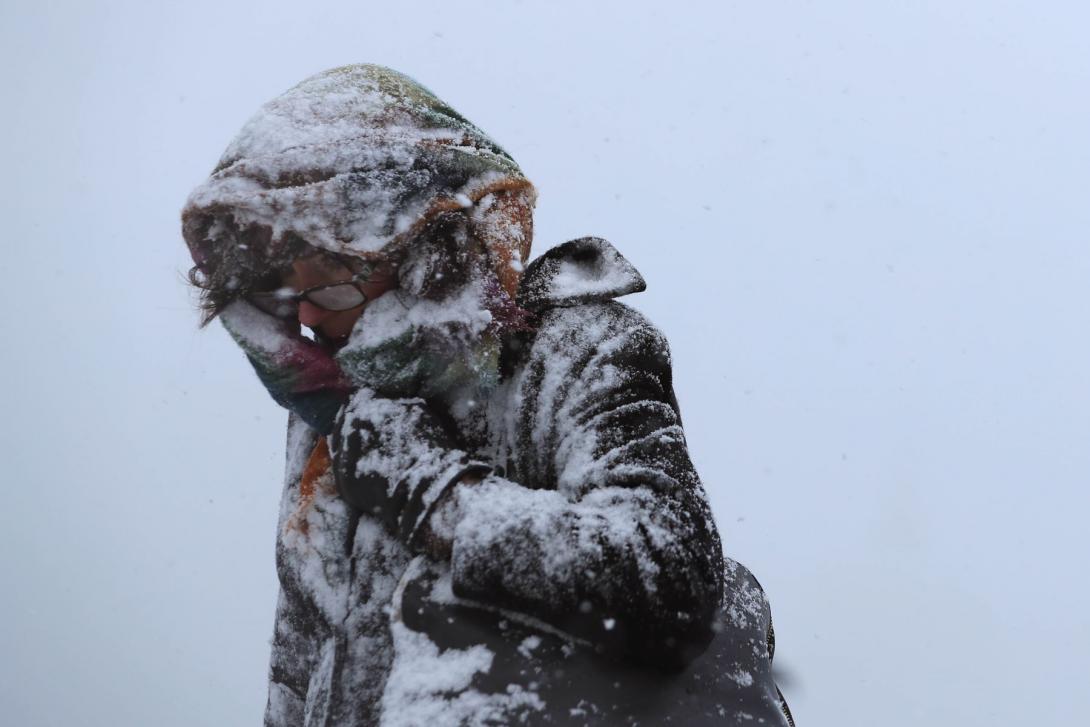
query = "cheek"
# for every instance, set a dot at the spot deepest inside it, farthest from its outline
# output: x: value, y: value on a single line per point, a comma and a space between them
x: 347, y: 319
x: 310, y: 314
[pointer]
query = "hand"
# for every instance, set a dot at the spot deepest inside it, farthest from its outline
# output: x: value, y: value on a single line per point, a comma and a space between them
x: 393, y: 460
x: 299, y: 373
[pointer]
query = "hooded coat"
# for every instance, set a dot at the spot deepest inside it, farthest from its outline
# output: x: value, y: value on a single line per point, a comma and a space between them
x: 585, y: 581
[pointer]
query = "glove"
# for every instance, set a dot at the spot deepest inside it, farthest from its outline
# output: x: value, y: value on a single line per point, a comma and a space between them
x: 393, y: 460
x: 299, y: 374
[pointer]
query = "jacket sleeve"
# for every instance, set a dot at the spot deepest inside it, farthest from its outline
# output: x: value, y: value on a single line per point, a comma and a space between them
x: 618, y: 545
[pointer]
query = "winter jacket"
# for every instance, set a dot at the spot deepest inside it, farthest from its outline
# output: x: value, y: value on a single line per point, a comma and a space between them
x: 591, y: 539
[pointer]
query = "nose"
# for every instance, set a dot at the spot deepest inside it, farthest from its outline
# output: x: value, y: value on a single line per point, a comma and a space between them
x: 311, y: 315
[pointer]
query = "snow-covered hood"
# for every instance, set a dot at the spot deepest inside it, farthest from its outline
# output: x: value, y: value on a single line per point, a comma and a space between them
x: 354, y: 160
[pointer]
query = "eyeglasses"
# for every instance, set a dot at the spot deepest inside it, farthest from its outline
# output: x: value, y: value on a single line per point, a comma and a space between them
x: 340, y: 296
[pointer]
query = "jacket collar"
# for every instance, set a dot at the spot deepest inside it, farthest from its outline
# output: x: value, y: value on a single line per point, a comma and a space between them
x: 577, y: 272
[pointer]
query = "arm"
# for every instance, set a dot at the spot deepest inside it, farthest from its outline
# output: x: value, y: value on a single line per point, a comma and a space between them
x: 621, y: 550
x: 624, y: 552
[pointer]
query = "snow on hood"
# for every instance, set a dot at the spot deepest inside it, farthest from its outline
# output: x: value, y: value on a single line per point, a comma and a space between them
x: 354, y: 160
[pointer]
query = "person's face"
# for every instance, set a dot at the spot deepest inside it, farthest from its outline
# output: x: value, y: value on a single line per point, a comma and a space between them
x: 315, y: 270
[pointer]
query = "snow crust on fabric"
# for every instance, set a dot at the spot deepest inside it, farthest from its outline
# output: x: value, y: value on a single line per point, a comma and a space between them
x: 393, y: 461
x: 432, y: 687
x: 392, y: 316
x: 517, y: 671
x: 578, y: 271
x: 331, y: 641
x: 591, y: 542
x: 405, y: 346
x: 600, y: 508
x: 350, y: 160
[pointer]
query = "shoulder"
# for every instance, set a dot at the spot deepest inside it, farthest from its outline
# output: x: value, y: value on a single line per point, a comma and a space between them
x: 605, y: 327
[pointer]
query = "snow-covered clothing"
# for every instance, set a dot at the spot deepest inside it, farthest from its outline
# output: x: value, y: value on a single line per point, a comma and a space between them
x: 597, y: 527
x: 585, y: 568
x: 599, y: 517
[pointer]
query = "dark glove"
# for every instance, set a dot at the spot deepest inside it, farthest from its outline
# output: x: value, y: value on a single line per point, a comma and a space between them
x: 393, y: 460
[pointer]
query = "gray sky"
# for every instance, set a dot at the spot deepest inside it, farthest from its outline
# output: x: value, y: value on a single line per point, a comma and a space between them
x: 864, y: 231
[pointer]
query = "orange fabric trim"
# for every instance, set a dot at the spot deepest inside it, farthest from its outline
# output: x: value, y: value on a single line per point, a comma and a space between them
x: 317, y: 465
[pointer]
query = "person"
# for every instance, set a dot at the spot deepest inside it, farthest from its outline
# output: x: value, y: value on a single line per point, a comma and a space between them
x: 489, y: 513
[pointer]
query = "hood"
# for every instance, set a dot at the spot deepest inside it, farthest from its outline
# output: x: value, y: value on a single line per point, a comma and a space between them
x: 355, y: 160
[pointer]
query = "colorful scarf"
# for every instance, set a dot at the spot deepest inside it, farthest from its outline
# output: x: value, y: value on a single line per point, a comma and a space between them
x: 300, y: 374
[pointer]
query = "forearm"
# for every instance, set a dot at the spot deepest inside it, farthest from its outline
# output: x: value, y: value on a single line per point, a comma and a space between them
x: 625, y: 568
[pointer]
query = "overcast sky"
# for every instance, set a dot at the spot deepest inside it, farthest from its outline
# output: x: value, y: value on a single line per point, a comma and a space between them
x: 864, y: 231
